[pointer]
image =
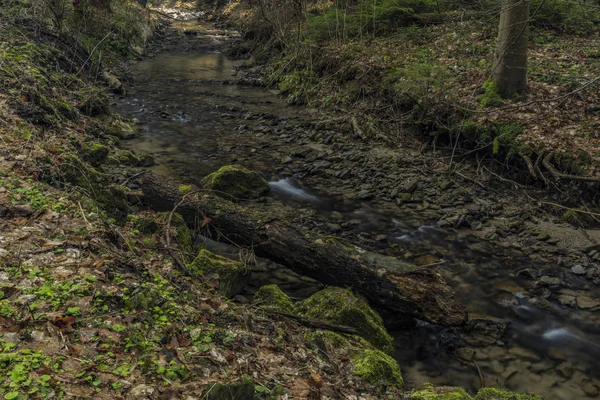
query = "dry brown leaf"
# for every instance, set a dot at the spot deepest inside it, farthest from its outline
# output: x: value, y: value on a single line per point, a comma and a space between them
x: 64, y: 324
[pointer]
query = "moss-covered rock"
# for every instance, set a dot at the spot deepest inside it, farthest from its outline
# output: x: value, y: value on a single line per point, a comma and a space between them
x: 125, y: 157
x: 327, y: 339
x: 122, y: 130
x: 340, y: 306
x: 241, y: 390
x: 237, y: 182
x: 96, y: 153
x: 502, y: 394
x: 376, y: 367
x: 440, y: 393
x: 230, y: 276
x: 271, y: 297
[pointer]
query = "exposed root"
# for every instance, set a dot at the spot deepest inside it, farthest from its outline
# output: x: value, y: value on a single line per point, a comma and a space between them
x: 530, y: 167
x: 547, y: 162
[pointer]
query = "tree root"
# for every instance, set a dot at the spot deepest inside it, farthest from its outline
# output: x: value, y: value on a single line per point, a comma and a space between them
x: 547, y: 163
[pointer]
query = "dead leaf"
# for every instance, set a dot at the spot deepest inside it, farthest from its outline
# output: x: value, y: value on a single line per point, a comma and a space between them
x: 64, y: 324
x: 8, y: 324
x: 317, y: 380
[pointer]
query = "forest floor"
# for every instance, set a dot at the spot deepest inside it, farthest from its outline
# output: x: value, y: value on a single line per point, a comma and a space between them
x: 93, y: 304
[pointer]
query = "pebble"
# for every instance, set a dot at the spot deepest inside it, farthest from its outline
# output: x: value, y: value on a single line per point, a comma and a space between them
x: 586, y: 302
x: 590, y: 390
x: 578, y: 270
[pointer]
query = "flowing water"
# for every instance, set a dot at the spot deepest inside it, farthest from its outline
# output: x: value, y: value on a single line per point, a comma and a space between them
x: 195, y: 118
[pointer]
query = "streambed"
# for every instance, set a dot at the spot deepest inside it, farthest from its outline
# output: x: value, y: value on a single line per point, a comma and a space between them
x: 195, y: 116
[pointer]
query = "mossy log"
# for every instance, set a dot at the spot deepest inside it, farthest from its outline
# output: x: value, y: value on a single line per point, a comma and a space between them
x: 386, y: 282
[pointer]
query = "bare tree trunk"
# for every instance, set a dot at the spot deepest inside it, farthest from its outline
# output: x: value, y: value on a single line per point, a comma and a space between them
x: 510, y: 65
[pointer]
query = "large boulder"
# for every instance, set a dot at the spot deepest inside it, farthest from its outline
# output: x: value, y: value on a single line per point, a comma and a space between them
x: 235, y: 181
x: 270, y: 297
x: 229, y: 276
x: 340, y: 306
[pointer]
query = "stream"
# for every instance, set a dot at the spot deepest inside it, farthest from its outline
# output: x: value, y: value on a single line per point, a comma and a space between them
x: 195, y: 117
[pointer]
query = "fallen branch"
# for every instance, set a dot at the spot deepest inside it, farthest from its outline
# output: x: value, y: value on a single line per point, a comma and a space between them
x: 313, y: 323
x: 387, y: 282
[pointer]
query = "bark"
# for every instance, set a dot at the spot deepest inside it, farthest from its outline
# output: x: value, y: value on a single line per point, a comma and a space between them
x: 510, y: 65
x: 386, y: 282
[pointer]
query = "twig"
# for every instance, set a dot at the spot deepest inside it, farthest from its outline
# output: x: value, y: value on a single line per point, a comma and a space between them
x: 92, y: 52
x: 481, y: 380
x: 313, y: 323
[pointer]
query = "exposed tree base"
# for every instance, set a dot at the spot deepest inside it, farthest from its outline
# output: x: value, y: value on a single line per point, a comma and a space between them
x: 386, y: 282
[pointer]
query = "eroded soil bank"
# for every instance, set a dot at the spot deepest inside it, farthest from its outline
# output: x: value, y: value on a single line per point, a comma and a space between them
x: 528, y: 278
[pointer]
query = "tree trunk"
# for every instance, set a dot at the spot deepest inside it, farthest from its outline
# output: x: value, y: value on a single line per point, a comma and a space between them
x: 386, y: 282
x: 510, y: 65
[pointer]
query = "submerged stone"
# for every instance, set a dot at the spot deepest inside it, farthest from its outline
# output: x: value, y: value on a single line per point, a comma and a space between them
x: 340, y: 306
x: 237, y: 182
x: 271, y: 297
x: 376, y: 367
x: 440, y: 393
x: 502, y: 394
x: 230, y: 276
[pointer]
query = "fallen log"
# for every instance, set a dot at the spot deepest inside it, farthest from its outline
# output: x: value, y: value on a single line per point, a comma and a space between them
x: 386, y: 282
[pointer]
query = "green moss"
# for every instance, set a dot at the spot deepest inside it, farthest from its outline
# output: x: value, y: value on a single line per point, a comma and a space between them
x: 183, y: 235
x: 340, y: 306
x: 231, y: 276
x: 491, y: 96
x: 271, y: 297
x: 146, y: 225
x: 330, y: 339
x: 376, y: 367
x: 502, y: 394
x: 440, y: 393
x: 96, y: 153
x: 183, y: 189
x: 237, y: 182
x: 126, y: 157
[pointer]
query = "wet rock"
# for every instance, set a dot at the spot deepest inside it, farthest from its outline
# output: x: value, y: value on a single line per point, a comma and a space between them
x: 483, y: 329
x: 410, y: 186
x: 578, y: 270
x: 230, y: 276
x: 567, y: 300
x: 340, y: 306
x: 590, y: 390
x: 556, y: 354
x: 334, y: 227
x: 565, y: 370
x: 528, y: 273
x: 237, y: 182
x: 524, y: 354
x: 549, y: 281
x: 465, y: 353
x: 586, y: 303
